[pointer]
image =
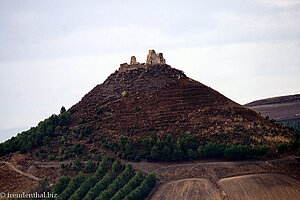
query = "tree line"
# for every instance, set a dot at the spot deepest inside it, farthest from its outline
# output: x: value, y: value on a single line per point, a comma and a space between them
x: 188, y: 147
x: 37, y: 136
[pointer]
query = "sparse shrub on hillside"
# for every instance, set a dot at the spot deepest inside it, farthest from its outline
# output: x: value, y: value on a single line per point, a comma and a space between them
x: 294, y: 144
x: 282, y: 148
x: 77, y: 149
x: 51, y: 157
x: 123, y: 141
x: 76, y: 165
x: 99, y: 111
x: 89, y: 167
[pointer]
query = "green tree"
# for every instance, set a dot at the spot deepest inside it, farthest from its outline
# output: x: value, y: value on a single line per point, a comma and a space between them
x: 131, y: 185
x: 166, y: 153
x: 89, y: 167
x: 76, y: 165
x: 116, y: 184
x: 155, y: 153
x: 282, y: 148
x: 71, y: 187
x: 144, y: 189
x: 62, y: 110
x: 60, y: 185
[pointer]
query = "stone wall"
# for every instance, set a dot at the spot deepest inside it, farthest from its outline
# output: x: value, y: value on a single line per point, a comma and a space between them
x: 152, y: 59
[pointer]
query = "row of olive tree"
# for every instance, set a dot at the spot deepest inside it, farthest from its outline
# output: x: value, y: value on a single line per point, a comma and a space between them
x: 144, y: 189
x: 104, y: 182
x: 116, y: 184
x: 131, y: 185
x: 72, y: 186
x: 91, y: 181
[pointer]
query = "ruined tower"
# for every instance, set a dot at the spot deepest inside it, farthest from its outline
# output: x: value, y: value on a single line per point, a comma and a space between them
x: 153, y: 58
x: 133, y: 60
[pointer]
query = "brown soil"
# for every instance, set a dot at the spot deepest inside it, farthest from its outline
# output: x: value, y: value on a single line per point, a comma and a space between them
x: 211, y: 172
x: 162, y: 99
x: 28, y: 175
x: 13, y: 181
x: 261, y: 186
x: 187, y: 189
x: 214, y: 172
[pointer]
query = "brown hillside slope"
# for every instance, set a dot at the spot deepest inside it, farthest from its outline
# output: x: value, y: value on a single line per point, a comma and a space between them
x: 162, y: 99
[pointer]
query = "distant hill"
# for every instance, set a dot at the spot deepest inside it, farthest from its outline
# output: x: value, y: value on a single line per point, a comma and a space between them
x: 285, y: 109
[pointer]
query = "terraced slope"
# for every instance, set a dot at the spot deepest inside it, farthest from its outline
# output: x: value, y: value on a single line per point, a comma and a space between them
x: 162, y: 99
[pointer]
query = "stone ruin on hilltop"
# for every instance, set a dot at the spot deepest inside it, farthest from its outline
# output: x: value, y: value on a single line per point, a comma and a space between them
x: 152, y: 59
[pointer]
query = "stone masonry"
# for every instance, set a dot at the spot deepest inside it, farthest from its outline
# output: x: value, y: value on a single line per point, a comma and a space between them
x: 152, y: 59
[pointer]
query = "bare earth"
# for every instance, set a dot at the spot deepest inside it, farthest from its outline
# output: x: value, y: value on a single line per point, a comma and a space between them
x: 30, y: 176
x: 246, y: 187
x: 256, y: 179
x: 265, y: 179
x: 14, y: 182
x: 261, y: 186
x: 187, y: 189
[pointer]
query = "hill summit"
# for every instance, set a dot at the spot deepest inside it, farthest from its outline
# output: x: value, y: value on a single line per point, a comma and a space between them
x: 140, y: 99
x: 153, y: 111
x: 149, y: 112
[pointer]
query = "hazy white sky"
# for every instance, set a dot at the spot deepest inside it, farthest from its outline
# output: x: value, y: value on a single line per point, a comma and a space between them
x: 54, y: 52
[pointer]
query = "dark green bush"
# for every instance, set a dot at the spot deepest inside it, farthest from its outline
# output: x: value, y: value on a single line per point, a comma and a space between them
x: 282, y: 148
